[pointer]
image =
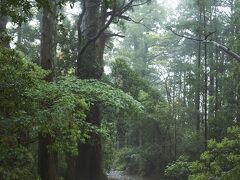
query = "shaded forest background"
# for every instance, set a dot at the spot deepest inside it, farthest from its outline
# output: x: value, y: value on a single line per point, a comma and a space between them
x: 91, y: 86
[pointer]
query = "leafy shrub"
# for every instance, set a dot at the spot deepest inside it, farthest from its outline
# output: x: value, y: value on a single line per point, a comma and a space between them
x: 146, y: 160
x: 127, y: 159
x: 17, y: 75
x: 179, y: 169
x: 219, y: 161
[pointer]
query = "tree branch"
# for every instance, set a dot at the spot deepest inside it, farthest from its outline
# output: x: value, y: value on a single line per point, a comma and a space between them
x: 92, y: 39
x: 222, y: 47
x: 114, y: 13
x: 109, y: 35
x: 129, y: 5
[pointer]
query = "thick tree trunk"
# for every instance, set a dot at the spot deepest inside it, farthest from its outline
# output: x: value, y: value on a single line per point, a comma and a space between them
x: 70, y: 172
x: 48, y: 44
x: 89, y: 63
x: 88, y: 164
x: 90, y: 66
x: 47, y: 160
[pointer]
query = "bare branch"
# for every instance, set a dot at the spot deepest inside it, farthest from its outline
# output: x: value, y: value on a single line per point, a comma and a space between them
x: 227, y: 50
x: 140, y: 4
x: 222, y: 47
x: 109, y: 35
x: 113, y: 14
x: 184, y: 36
x: 127, y: 18
x: 140, y: 22
x: 122, y: 10
x: 92, y: 39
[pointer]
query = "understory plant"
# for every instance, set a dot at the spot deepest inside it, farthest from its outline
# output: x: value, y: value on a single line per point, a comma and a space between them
x: 221, y: 160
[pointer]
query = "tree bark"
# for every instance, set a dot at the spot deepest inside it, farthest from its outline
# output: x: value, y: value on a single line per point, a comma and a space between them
x: 90, y: 66
x: 47, y: 160
x: 89, y: 63
x: 198, y: 70
x: 3, y: 27
x: 48, y: 44
x: 3, y: 23
x: 89, y: 159
x: 205, y: 83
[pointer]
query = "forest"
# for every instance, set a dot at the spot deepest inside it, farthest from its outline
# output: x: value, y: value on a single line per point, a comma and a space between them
x: 119, y: 89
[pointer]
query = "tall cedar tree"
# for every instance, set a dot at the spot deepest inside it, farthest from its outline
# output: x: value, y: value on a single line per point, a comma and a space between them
x: 47, y: 160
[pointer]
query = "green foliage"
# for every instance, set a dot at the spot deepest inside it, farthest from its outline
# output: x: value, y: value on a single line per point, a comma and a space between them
x: 31, y: 106
x: 13, y: 9
x: 145, y: 153
x: 96, y: 91
x: 38, y: 106
x: 16, y: 160
x: 67, y: 40
x: 140, y: 48
x: 127, y: 159
x: 220, y: 161
x: 178, y: 169
x: 17, y: 75
x: 28, y: 38
x: 108, y: 134
x: 146, y: 160
x: 157, y: 62
x: 129, y: 81
x: 61, y: 115
x: 4, y: 38
x: 21, y: 10
x: 152, y: 160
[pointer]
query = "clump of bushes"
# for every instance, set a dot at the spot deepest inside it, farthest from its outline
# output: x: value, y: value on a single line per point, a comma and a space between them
x: 221, y: 160
x: 147, y: 160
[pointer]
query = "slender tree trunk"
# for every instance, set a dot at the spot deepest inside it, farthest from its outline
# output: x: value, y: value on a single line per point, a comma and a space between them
x: 3, y: 23
x: 216, y: 87
x: 174, y: 115
x: 205, y: 83
x: 198, y: 70
x: 140, y: 138
x: 184, y: 90
x: 216, y: 93
x: 3, y: 26
x: 19, y: 36
x: 19, y: 32
x: 170, y: 144
x: 47, y: 160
